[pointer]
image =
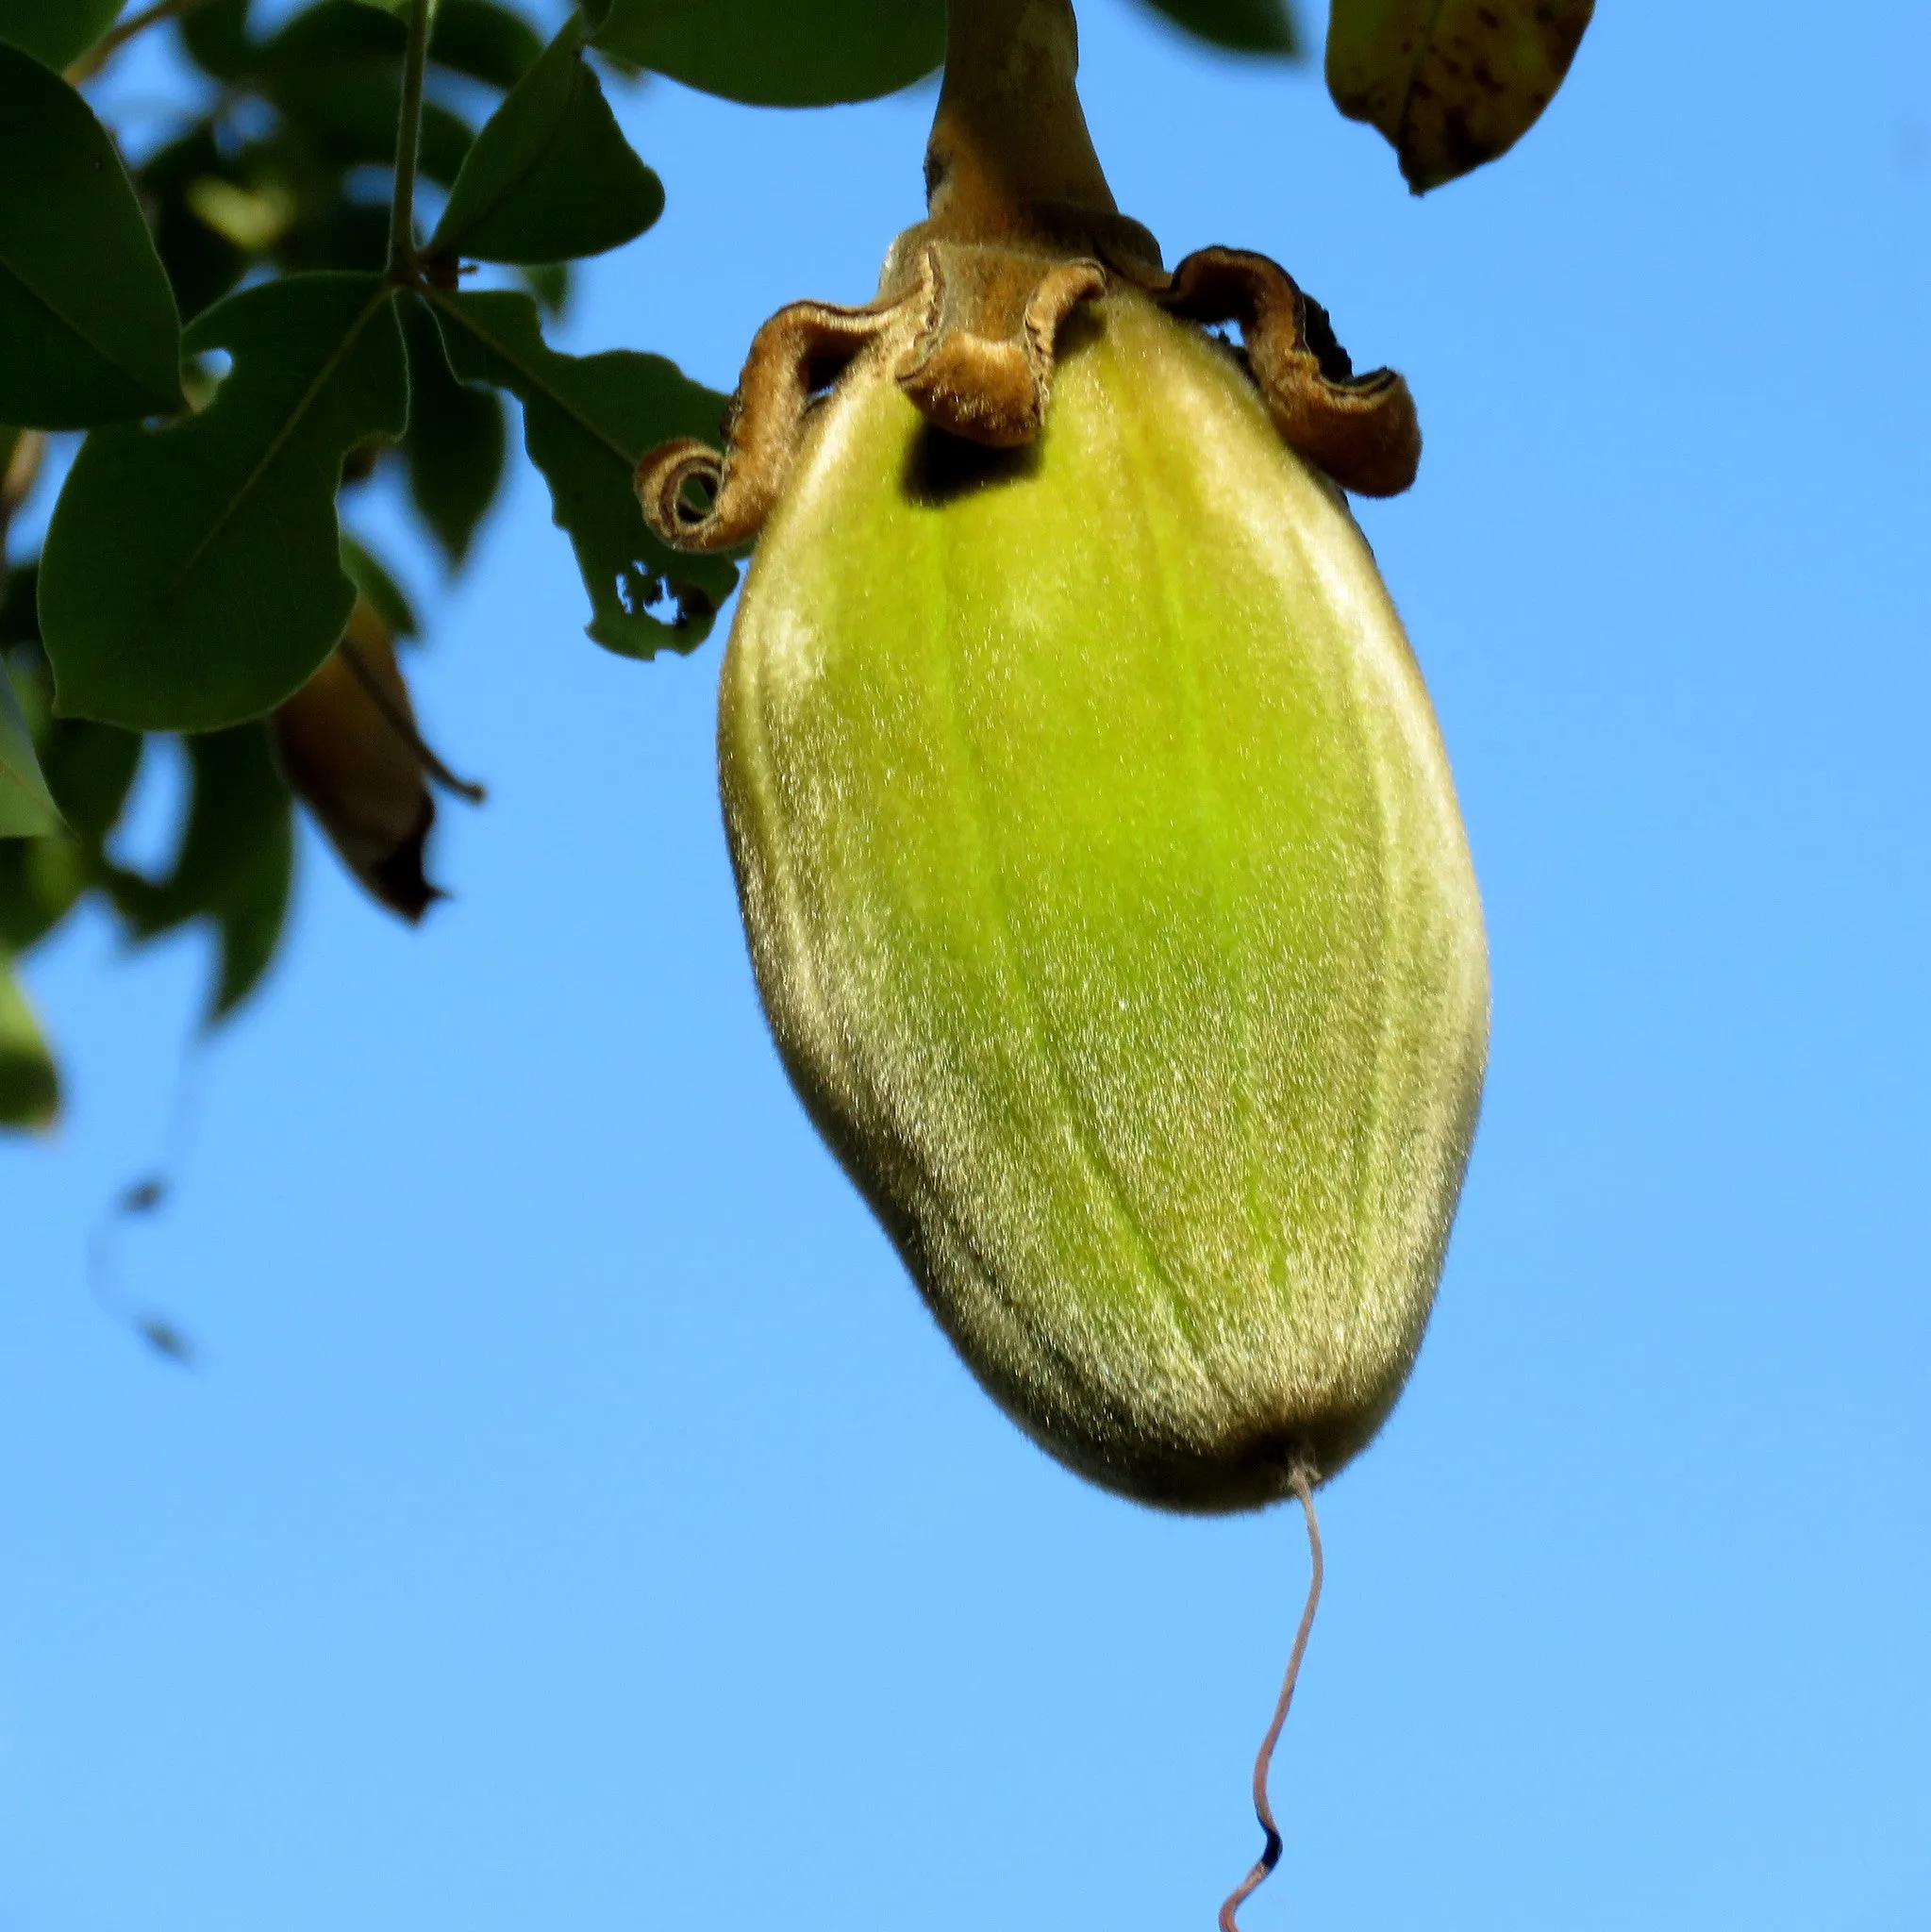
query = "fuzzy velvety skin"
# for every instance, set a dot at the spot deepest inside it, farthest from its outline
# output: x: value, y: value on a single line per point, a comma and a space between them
x: 1111, y: 908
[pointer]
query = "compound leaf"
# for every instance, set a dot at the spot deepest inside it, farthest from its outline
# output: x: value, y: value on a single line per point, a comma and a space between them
x: 1243, y: 27
x: 587, y: 420
x: 192, y: 576
x: 56, y: 32
x: 550, y: 177
x: 26, y: 806
x: 86, y: 314
x: 1451, y: 83
x: 781, y: 53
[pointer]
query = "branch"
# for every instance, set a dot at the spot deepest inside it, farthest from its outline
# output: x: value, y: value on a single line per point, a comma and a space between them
x: 112, y: 43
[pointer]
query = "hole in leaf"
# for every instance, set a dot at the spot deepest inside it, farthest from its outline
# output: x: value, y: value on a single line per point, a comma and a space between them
x: 637, y: 589
x: 665, y: 605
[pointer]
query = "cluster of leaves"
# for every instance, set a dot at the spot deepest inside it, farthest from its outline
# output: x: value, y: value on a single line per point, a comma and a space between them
x: 242, y: 331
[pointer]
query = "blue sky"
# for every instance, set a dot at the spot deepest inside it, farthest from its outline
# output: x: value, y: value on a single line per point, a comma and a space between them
x: 573, y: 1520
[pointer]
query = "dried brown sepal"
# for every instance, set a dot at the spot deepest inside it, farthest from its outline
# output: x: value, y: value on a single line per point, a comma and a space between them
x: 1362, y: 430
x: 350, y: 749
x: 981, y: 365
x: 1021, y: 229
x: 798, y: 354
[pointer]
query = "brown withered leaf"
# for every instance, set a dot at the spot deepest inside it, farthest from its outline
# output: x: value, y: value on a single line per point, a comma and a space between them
x: 349, y: 745
x: 1452, y: 83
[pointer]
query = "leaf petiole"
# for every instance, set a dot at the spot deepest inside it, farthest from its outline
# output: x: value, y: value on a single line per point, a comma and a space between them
x: 408, y: 133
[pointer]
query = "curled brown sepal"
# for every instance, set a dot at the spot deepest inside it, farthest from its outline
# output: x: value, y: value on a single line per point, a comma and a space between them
x: 981, y: 364
x: 799, y: 353
x: 1362, y: 430
x: 974, y: 325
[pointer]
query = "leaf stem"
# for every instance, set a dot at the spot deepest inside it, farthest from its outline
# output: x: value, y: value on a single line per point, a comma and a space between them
x: 409, y: 134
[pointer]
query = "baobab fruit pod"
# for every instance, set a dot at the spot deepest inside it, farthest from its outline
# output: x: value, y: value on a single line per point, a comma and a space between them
x: 1097, y: 851
x: 1111, y: 908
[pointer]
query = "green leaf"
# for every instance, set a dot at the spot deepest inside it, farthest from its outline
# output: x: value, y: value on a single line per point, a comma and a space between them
x: 1246, y: 26
x: 486, y: 41
x: 56, y: 32
x: 30, y: 1082
x: 587, y: 420
x: 20, y: 623
x: 334, y: 30
x: 26, y: 806
x: 335, y: 71
x: 454, y: 444
x: 1451, y: 83
x: 781, y: 53
x: 549, y: 282
x: 90, y: 770
x: 40, y: 880
x: 86, y: 314
x: 551, y: 177
x: 192, y: 575
x: 216, y: 36
x: 234, y: 866
x: 382, y: 591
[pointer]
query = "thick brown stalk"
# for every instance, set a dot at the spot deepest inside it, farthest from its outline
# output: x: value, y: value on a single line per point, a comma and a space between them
x: 1009, y: 131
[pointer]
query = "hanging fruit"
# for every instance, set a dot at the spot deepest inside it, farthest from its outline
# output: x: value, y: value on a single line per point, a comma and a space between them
x: 1097, y: 851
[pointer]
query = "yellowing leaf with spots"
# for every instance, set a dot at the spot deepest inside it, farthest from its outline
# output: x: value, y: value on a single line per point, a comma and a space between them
x: 1452, y: 83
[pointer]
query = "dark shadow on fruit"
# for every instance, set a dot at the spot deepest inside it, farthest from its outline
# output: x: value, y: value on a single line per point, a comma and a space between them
x: 940, y: 469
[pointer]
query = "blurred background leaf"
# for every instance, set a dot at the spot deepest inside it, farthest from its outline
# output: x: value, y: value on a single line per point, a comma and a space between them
x: 26, y: 806
x: 232, y: 868
x: 376, y: 587
x: 29, y: 1084
x: 781, y: 53
x: 334, y: 73
x: 486, y: 41
x: 56, y: 32
x: 1243, y: 27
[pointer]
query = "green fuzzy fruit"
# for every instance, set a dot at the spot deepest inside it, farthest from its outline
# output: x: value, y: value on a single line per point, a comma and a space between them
x: 1111, y: 908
